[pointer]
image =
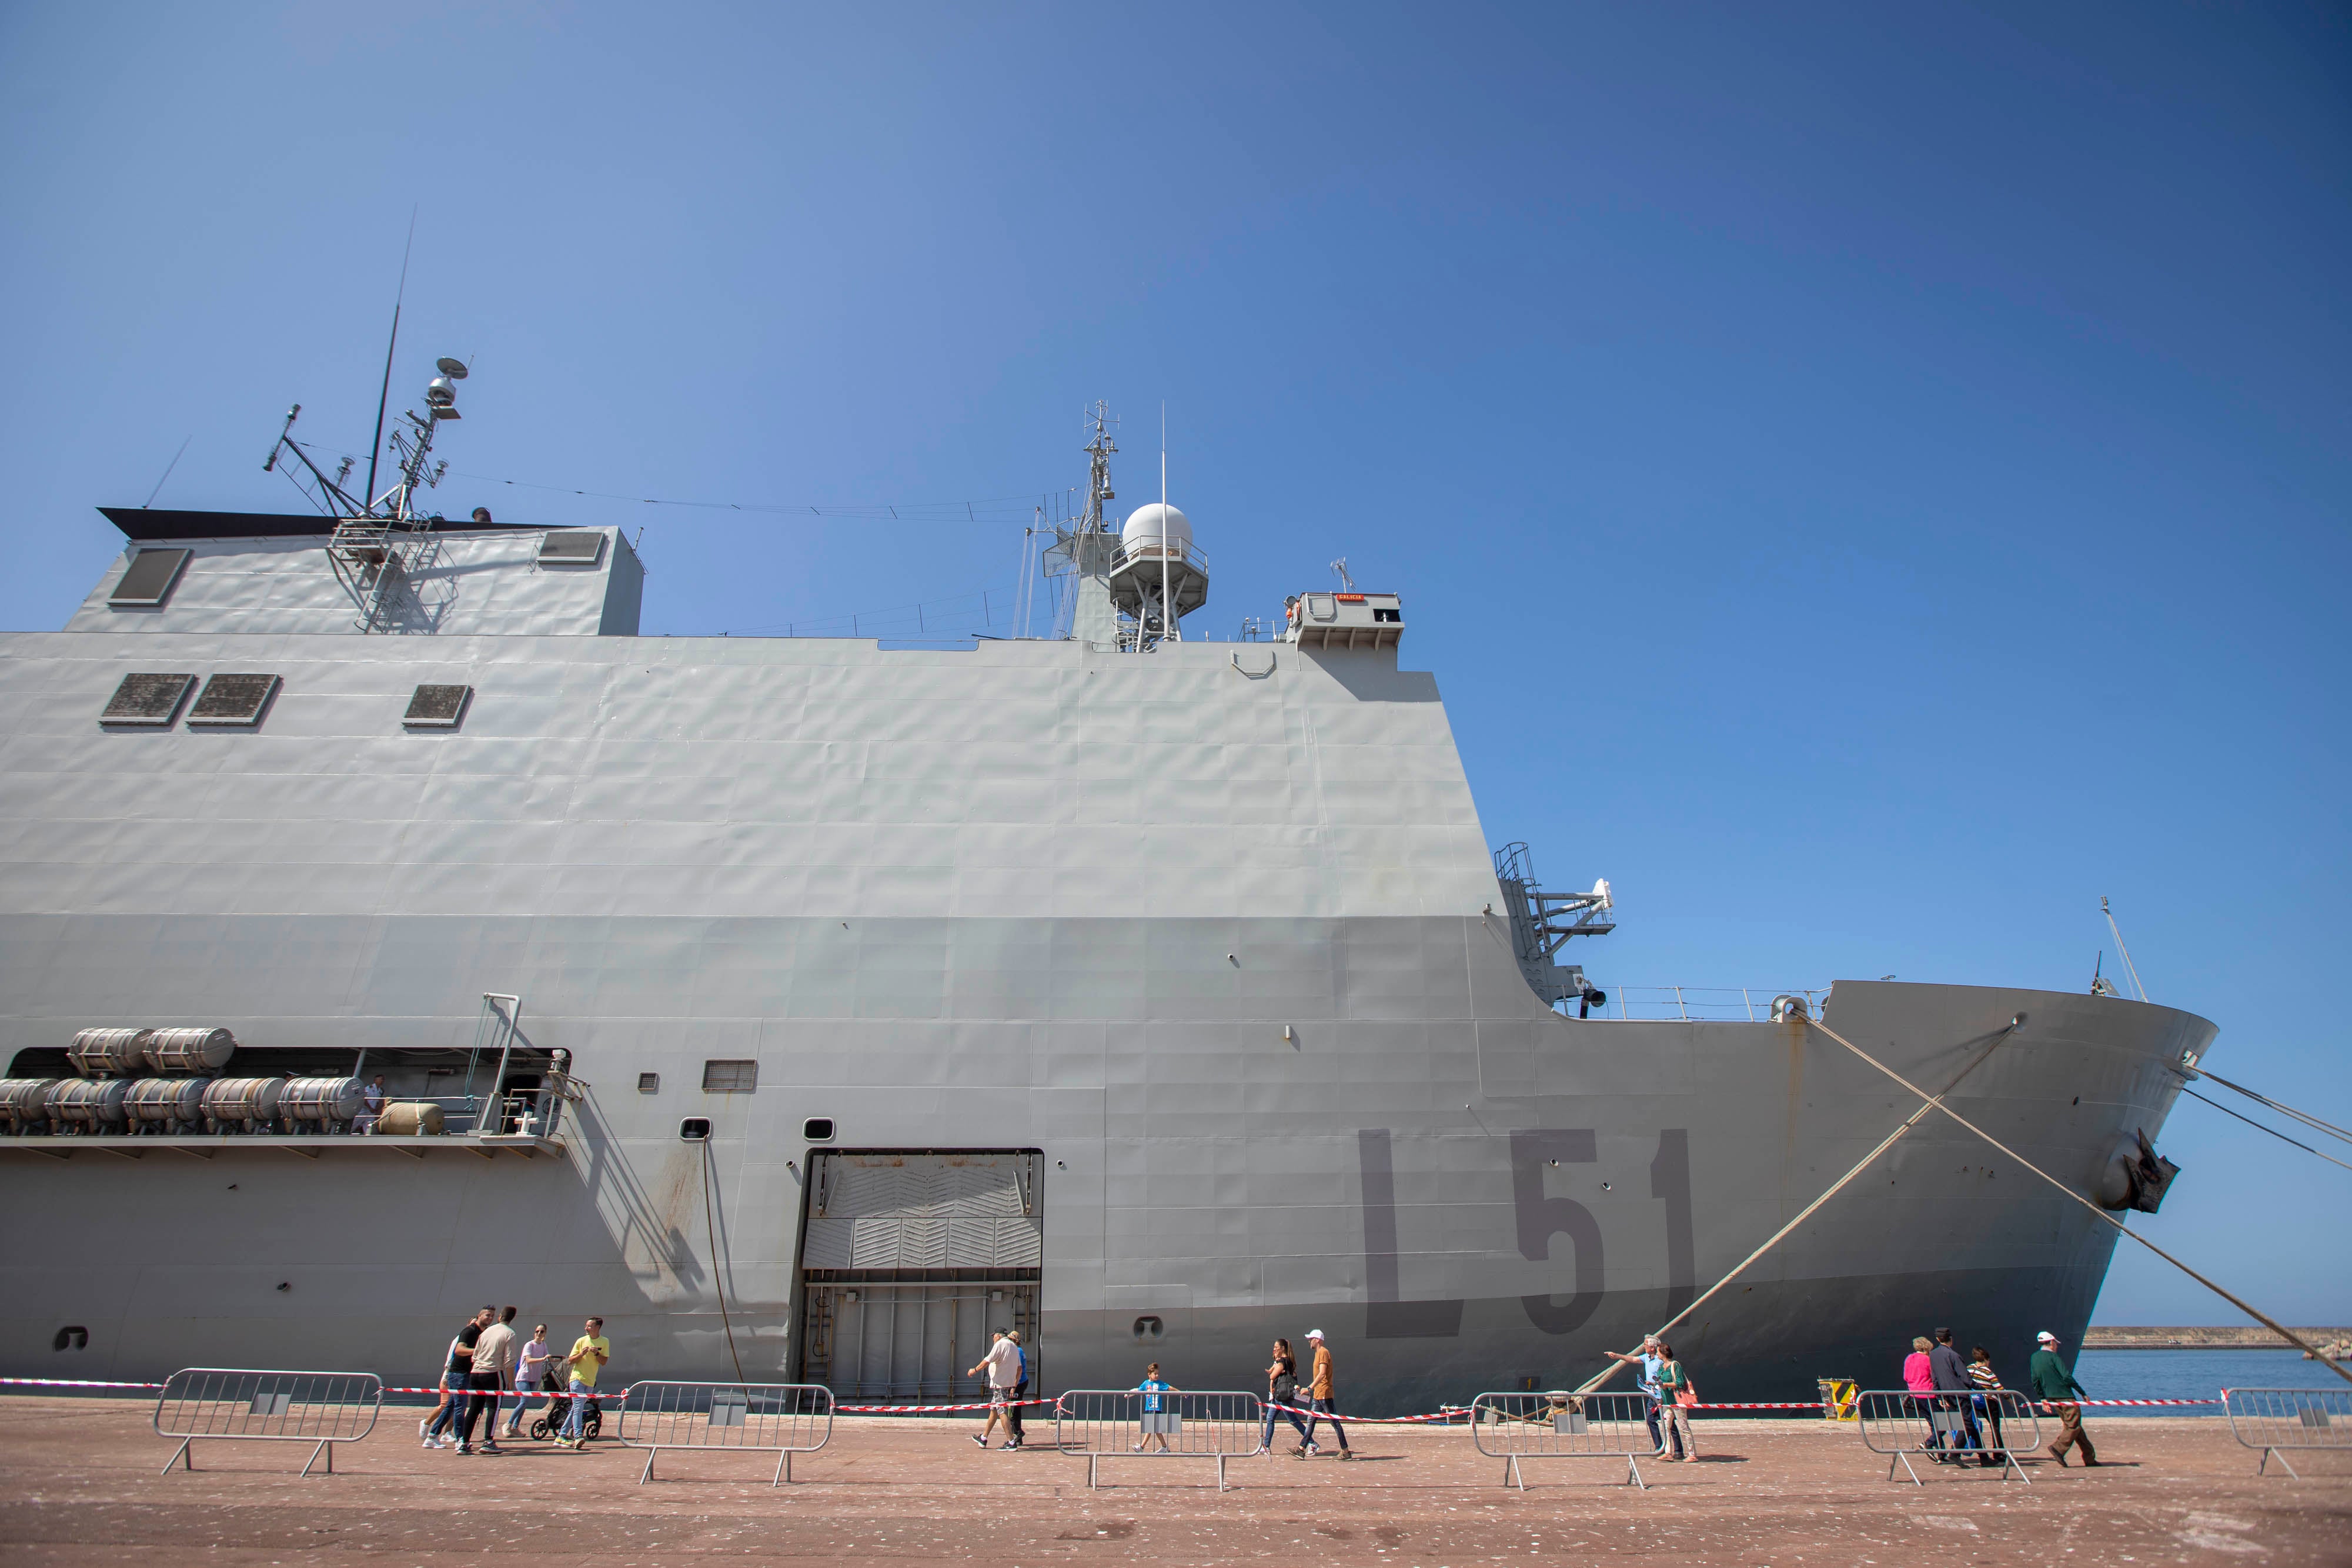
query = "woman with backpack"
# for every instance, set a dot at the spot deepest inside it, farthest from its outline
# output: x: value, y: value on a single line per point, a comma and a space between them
x: 1678, y: 1399
x: 1281, y: 1390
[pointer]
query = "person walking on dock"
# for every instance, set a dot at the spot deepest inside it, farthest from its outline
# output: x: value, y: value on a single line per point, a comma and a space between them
x: 456, y: 1378
x: 493, y: 1364
x: 589, y: 1353
x: 1986, y: 1383
x: 1002, y: 1364
x: 1323, y: 1399
x: 1019, y: 1435
x: 1951, y: 1375
x: 1650, y: 1360
x: 1919, y: 1377
x: 530, y: 1367
x: 1282, y: 1396
x: 2052, y: 1382
x: 1680, y: 1397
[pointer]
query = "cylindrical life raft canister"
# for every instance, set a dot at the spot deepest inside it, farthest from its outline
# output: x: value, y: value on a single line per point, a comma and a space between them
x: 25, y: 1103
x: 168, y: 1103
x: 89, y: 1105
x: 326, y: 1101
x: 110, y: 1052
x: 242, y: 1104
x: 411, y: 1118
x: 200, y: 1052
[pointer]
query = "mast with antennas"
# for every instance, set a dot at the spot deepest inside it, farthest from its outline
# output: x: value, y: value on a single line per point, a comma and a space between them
x: 1084, y: 551
x: 378, y: 542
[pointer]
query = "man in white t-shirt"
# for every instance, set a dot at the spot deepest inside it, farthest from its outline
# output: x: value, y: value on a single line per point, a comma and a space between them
x: 1002, y: 1364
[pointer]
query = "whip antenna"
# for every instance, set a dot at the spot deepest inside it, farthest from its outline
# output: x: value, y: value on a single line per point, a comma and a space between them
x: 383, y: 397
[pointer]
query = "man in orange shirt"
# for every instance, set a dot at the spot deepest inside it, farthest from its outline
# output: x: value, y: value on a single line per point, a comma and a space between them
x: 1322, y: 1402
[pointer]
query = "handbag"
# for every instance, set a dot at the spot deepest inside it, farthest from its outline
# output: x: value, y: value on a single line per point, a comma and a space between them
x: 1686, y: 1397
x: 1286, y: 1389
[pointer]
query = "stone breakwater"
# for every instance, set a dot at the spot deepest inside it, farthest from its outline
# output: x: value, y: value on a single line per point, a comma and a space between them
x: 2336, y: 1343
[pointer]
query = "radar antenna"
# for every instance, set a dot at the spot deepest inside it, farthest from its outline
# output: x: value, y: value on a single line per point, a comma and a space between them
x: 380, y: 541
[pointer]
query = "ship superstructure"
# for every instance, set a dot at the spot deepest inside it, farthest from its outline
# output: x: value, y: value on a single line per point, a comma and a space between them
x: 812, y: 1007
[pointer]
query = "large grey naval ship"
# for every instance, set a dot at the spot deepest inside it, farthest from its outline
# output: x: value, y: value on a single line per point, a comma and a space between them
x: 389, y: 928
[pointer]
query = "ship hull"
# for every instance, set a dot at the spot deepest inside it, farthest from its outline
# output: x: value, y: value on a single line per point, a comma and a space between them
x: 1385, y: 1175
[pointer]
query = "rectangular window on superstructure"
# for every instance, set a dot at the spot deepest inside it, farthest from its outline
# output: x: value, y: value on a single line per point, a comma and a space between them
x: 729, y: 1077
x: 147, y: 580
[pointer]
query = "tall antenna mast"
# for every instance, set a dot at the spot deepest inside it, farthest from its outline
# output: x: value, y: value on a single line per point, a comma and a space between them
x: 1168, y: 632
x: 383, y: 398
x: 2131, y: 968
x: 1099, y: 452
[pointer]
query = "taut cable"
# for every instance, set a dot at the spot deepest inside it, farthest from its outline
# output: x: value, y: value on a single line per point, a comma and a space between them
x: 1605, y: 1373
x: 2244, y: 1306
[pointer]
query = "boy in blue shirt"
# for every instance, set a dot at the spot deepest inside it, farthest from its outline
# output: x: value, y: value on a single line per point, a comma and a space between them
x: 1157, y: 1420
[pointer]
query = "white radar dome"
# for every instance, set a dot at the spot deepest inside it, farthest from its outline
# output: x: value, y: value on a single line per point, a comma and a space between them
x: 1155, y: 526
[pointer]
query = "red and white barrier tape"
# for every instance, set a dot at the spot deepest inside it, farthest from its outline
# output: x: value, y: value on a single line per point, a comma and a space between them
x: 68, y: 1382
x: 1365, y: 1420
x: 926, y: 1409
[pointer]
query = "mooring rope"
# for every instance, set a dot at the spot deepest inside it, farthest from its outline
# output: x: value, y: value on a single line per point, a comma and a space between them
x: 2273, y: 1132
x: 2330, y: 1128
x: 2244, y: 1306
x: 1605, y: 1373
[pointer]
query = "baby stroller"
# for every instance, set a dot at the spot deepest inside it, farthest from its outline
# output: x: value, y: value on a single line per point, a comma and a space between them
x: 549, y: 1422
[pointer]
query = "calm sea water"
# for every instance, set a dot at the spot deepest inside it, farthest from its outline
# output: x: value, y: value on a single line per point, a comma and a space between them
x: 2192, y: 1374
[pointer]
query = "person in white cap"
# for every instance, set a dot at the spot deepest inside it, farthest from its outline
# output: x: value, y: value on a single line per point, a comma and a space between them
x: 1321, y: 1400
x: 2054, y: 1382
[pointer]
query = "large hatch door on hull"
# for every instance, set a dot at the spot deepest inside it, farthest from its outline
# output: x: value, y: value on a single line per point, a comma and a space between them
x: 909, y: 1261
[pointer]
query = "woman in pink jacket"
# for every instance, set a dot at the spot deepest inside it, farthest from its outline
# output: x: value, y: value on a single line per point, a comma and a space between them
x: 1919, y: 1377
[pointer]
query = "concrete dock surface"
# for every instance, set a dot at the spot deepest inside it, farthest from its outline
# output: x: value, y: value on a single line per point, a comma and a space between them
x: 79, y: 1483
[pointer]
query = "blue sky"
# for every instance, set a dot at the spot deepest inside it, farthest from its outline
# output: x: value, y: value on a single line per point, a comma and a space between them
x: 1870, y: 480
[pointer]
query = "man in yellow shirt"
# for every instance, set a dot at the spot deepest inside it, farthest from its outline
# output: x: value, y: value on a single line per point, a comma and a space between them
x: 589, y: 1353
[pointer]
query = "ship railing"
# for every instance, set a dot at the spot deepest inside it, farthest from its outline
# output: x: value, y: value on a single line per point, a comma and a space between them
x: 1152, y: 549
x: 779, y: 1418
x: 1706, y: 1004
x: 1560, y: 1424
x: 1162, y: 1423
x: 246, y: 1405
x: 2275, y: 1420
x: 1950, y: 1428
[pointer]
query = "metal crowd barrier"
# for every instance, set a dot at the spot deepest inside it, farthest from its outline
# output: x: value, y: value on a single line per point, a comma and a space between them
x: 779, y: 1418
x: 1559, y: 1425
x: 322, y: 1408
x: 1898, y: 1424
x: 1120, y: 1422
x: 2276, y: 1419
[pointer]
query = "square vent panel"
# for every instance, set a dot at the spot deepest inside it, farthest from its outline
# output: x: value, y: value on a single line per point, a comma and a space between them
x: 232, y: 700
x: 438, y: 707
x: 729, y: 1077
x: 150, y: 701
x: 147, y: 580
x: 571, y: 548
